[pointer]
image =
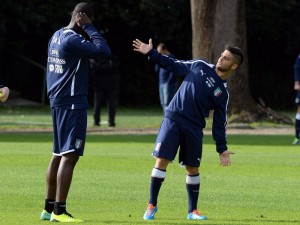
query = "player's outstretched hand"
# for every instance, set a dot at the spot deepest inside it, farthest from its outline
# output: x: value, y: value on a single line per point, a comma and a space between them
x: 142, y: 47
x: 4, y: 92
x: 225, y: 158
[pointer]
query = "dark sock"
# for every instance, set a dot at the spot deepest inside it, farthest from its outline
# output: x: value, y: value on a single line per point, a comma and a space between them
x: 297, y: 127
x: 157, y: 177
x: 59, y: 208
x: 49, y: 205
x: 193, y: 192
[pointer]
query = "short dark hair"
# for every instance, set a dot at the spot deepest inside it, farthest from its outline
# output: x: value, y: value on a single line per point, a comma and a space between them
x: 85, y: 8
x: 237, y: 52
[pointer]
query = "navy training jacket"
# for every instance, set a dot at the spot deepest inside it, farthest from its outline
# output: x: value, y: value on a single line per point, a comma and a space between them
x: 202, y: 90
x: 68, y: 66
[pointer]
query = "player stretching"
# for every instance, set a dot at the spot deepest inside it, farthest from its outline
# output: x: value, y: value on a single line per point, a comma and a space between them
x: 67, y: 85
x: 203, y: 89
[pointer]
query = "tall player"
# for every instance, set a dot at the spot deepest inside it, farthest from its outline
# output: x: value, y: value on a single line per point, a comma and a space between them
x: 203, y: 89
x: 297, y: 100
x: 67, y: 86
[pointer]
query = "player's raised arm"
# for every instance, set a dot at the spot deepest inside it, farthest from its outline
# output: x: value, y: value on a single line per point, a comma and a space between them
x: 177, y: 66
x: 142, y: 47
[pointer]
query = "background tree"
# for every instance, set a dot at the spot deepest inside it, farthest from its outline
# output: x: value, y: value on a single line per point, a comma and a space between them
x: 272, y: 42
x: 203, y: 17
x: 229, y: 27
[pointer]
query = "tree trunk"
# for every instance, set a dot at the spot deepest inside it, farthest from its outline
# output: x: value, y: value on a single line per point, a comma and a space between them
x: 203, y: 14
x: 215, y: 24
x: 230, y: 28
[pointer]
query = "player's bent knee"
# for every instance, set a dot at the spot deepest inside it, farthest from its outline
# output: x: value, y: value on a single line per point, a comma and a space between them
x: 161, y: 163
x: 192, y: 170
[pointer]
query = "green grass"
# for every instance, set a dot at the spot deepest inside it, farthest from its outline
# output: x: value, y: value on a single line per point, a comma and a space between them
x: 17, y: 118
x: 111, y: 182
x: 39, y: 118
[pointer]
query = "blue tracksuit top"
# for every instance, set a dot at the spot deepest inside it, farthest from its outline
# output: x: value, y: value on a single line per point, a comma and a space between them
x: 297, y: 69
x: 68, y: 66
x: 165, y: 76
x: 202, y: 90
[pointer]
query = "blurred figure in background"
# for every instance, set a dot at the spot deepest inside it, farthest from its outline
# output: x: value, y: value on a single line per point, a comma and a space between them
x: 104, y: 72
x: 297, y: 100
x: 167, y: 79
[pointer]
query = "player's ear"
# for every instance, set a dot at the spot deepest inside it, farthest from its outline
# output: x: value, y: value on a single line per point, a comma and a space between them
x: 234, y: 66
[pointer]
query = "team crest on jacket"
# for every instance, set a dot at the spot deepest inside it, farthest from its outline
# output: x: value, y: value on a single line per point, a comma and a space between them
x: 217, y: 92
x: 78, y: 143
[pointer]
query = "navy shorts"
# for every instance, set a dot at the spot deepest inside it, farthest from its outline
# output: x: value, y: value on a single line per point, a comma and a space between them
x: 173, y: 135
x: 297, y: 99
x: 69, y: 127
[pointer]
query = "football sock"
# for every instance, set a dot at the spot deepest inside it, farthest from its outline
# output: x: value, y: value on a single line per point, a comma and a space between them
x: 192, y: 187
x: 297, y: 125
x: 49, y: 205
x: 59, y: 208
x: 157, y: 177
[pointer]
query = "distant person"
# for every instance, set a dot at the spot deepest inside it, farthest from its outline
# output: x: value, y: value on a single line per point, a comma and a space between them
x: 104, y: 73
x: 167, y: 79
x: 69, y: 51
x: 297, y: 100
x: 4, y: 93
x: 204, y: 88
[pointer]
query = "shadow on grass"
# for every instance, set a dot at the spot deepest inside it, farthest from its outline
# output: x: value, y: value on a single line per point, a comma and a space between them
x: 261, y: 140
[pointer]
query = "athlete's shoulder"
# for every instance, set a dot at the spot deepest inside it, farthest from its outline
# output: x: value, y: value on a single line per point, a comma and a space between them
x: 201, y: 61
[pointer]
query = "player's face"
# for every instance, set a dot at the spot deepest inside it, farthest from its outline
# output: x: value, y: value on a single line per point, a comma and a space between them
x: 226, y: 62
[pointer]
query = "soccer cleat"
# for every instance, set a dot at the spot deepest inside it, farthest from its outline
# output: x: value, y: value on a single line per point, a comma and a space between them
x: 151, y: 210
x: 45, y: 215
x: 64, y: 218
x: 196, y: 215
x: 296, y: 141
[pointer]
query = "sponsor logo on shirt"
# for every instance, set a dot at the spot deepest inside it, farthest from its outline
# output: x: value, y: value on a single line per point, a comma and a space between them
x: 217, y: 92
x: 56, y: 60
x: 54, y: 52
x: 210, y: 81
x: 56, y: 68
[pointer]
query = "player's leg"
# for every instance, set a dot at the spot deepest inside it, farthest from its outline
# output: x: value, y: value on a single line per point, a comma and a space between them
x: 157, y: 178
x: 64, y: 179
x: 97, y: 102
x: 52, y: 170
x: 190, y: 155
x: 165, y: 151
x: 111, y: 101
x: 71, y: 135
x: 193, y: 189
x: 50, y: 187
x: 165, y: 96
x: 162, y: 96
x: 297, y: 120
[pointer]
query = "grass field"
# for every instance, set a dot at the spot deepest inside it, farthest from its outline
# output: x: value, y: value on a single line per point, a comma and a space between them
x: 39, y: 118
x: 111, y: 182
